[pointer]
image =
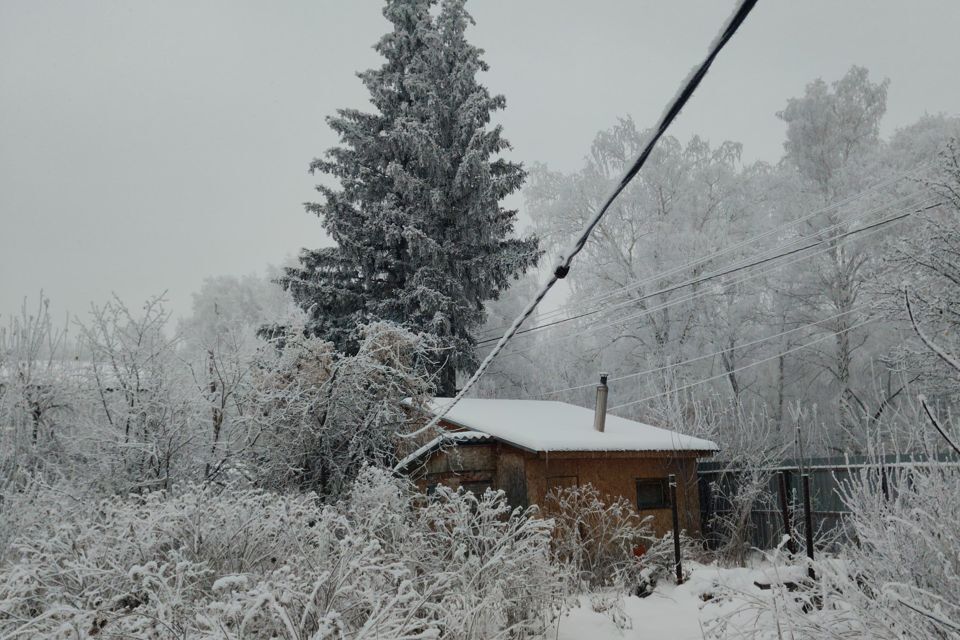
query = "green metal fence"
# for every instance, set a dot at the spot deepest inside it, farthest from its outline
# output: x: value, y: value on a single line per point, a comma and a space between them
x: 720, y: 479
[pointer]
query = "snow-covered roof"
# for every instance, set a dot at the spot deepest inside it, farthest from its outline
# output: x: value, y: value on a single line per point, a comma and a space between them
x: 541, y: 425
x: 454, y: 437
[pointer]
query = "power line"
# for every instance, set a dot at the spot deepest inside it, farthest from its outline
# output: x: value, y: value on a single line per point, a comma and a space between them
x: 743, y: 264
x: 565, y: 261
x: 738, y: 369
x: 639, y: 283
x: 714, y: 354
x: 718, y: 274
x: 694, y: 296
x: 753, y: 239
x: 785, y: 226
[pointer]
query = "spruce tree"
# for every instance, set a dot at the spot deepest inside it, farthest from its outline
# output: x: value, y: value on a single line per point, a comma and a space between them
x: 421, y: 237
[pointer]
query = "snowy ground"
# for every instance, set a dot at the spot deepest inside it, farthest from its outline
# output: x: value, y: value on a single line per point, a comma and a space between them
x: 673, y: 612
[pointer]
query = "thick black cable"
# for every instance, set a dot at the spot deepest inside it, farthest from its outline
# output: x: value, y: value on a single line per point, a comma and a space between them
x: 565, y: 260
x: 693, y: 81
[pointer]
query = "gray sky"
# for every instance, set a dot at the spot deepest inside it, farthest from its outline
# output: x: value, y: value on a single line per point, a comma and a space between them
x: 146, y: 145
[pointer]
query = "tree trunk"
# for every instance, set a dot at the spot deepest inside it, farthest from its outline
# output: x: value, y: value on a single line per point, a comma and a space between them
x: 447, y: 381
x: 781, y: 384
x: 216, y: 411
x: 729, y: 365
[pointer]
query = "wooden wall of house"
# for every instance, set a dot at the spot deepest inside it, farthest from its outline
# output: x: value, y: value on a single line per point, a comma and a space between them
x: 526, y: 477
x: 470, y: 465
x: 475, y: 465
x: 511, y: 476
x: 616, y: 473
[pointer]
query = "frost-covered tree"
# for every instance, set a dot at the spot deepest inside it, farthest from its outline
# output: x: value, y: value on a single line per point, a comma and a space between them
x: 219, y: 346
x: 513, y: 376
x: 832, y: 143
x: 36, y: 391
x: 832, y: 129
x: 927, y: 257
x: 421, y: 238
x: 142, y: 418
x: 687, y: 202
x: 231, y: 304
x: 318, y: 416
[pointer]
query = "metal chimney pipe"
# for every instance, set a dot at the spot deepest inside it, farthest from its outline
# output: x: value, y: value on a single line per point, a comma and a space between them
x: 600, y: 415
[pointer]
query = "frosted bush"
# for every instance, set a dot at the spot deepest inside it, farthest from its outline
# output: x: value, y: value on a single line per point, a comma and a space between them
x: 659, y: 560
x: 384, y: 562
x: 906, y: 581
x: 318, y: 416
x: 898, y: 579
x: 601, y: 538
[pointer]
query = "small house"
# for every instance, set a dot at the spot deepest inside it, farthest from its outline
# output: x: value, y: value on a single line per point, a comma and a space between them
x: 528, y: 447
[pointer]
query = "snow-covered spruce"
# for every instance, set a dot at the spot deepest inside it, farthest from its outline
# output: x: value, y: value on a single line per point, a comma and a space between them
x: 421, y: 236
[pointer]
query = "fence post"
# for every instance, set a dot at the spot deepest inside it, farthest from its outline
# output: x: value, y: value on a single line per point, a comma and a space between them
x: 785, y: 512
x: 676, y: 527
x: 808, y: 522
x: 884, y: 487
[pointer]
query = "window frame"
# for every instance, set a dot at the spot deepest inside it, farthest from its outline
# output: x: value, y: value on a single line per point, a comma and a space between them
x: 664, y: 485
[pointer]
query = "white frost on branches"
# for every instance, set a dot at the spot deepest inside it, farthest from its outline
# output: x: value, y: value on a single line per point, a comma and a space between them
x: 384, y: 562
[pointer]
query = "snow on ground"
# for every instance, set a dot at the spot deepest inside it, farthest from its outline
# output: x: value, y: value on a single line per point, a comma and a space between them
x: 671, y: 612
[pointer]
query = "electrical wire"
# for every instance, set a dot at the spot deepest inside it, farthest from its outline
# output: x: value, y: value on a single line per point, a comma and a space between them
x: 744, y: 367
x: 675, y: 302
x: 743, y: 264
x: 565, y: 261
x: 873, y: 228
x: 746, y: 242
x: 743, y: 345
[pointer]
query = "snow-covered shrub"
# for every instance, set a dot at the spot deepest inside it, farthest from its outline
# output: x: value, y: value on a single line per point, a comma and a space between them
x: 751, y: 447
x: 659, y: 560
x: 319, y: 415
x: 601, y: 538
x: 383, y: 562
x: 37, y: 393
x: 140, y: 564
x: 742, y: 489
x: 899, y: 578
x: 904, y: 577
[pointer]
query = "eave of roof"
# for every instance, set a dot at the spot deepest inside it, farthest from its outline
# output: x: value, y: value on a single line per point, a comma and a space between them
x: 546, y: 426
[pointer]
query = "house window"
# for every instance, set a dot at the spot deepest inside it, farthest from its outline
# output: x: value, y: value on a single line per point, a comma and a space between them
x: 652, y: 493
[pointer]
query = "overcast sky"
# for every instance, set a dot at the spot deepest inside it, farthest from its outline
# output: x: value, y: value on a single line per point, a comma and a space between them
x: 146, y: 145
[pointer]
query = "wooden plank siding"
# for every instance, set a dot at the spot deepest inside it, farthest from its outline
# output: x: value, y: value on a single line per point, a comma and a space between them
x: 526, y: 476
x: 616, y: 474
